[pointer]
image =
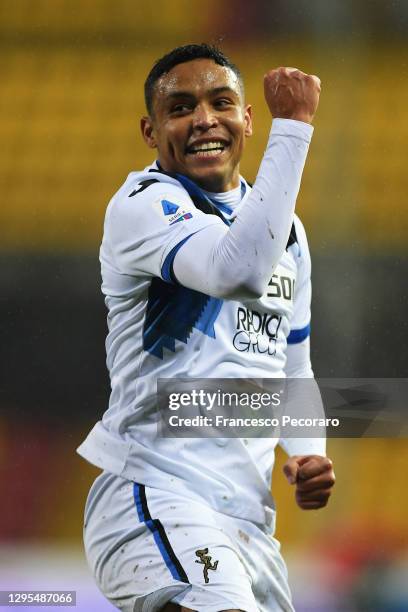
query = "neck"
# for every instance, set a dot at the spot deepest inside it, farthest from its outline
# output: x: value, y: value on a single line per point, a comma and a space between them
x: 214, y: 184
x: 217, y: 185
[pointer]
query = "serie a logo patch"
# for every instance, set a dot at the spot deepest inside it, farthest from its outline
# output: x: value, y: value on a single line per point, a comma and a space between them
x: 171, y: 212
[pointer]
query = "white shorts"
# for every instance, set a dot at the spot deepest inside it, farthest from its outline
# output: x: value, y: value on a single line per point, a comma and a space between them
x: 147, y: 547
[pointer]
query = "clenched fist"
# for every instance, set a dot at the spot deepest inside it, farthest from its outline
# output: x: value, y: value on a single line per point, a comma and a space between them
x: 314, y: 478
x: 292, y: 94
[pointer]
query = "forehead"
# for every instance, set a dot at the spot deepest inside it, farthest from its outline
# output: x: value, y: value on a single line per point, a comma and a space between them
x: 197, y: 77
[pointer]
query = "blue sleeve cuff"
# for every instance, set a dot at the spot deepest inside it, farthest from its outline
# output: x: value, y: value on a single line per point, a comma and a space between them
x: 167, y: 267
x: 298, y: 335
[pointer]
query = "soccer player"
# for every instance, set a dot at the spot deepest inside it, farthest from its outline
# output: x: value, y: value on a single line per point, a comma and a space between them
x: 204, y: 276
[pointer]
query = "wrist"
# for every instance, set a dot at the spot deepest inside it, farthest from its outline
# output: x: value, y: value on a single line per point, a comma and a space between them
x: 303, y: 117
x: 291, y: 127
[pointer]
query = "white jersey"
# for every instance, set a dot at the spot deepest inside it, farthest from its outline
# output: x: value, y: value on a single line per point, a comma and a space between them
x: 159, y: 329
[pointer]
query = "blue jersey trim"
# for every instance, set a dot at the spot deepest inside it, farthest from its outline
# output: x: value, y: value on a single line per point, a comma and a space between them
x: 194, y: 191
x: 159, y: 534
x: 160, y: 545
x: 167, y: 267
x: 172, y: 312
x: 298, y: 335
x: 208, y: 317
x: 138, y: 503
x: 222, y: 207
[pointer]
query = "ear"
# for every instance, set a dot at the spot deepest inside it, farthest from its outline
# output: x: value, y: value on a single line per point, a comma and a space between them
x: 148, y: 133
x: 248, y: 120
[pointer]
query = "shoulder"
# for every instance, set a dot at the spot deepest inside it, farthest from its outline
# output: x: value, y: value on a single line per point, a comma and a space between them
x: 300, y: 231
x: 145, y: 193
x: 300, y: 250
x: 301, y: 239
x: 147, y: 185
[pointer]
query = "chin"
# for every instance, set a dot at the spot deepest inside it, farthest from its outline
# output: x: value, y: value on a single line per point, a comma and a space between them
x: 211, y: 179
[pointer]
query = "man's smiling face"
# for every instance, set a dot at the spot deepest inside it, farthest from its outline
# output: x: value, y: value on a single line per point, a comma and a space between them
x: 199, y: 123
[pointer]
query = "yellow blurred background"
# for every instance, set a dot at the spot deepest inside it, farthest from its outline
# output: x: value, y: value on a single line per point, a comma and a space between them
x: 72, y: 74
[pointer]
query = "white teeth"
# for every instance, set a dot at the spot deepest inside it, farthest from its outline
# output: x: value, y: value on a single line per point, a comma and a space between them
x: 208, y: 146
x: 210, y: 153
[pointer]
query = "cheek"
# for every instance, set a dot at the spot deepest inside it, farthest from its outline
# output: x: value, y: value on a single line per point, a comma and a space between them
x: 237, y: 127
x: 239, y: 139
x: 175, y: 138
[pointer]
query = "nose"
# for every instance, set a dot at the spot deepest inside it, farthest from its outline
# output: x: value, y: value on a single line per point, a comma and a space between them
x: 204, y: 117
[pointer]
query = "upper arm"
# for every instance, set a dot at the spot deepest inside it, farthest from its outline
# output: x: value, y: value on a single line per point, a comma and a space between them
x: 210, y: 262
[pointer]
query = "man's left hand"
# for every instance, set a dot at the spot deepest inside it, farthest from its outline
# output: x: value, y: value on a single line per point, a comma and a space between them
x: 314, y: 478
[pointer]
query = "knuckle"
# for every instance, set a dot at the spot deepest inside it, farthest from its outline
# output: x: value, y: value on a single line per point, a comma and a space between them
x: 283, y: 73
x: 316, y: 81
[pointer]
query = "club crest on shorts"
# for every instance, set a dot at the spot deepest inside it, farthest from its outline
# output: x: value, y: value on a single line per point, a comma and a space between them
x: 205, y: 559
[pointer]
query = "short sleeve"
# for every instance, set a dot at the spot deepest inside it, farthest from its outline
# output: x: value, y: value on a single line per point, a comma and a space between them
x: 144, y: 230
x: 300, y: 321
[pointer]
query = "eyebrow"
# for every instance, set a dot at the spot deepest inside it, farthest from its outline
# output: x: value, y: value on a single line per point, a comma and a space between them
x: 215, y: 91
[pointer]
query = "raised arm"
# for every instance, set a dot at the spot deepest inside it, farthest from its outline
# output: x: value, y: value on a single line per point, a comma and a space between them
x: 237, y: 262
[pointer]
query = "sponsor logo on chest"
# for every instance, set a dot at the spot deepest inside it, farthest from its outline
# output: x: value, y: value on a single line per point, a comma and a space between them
x: 256, y: 332
x: 257, y: 326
